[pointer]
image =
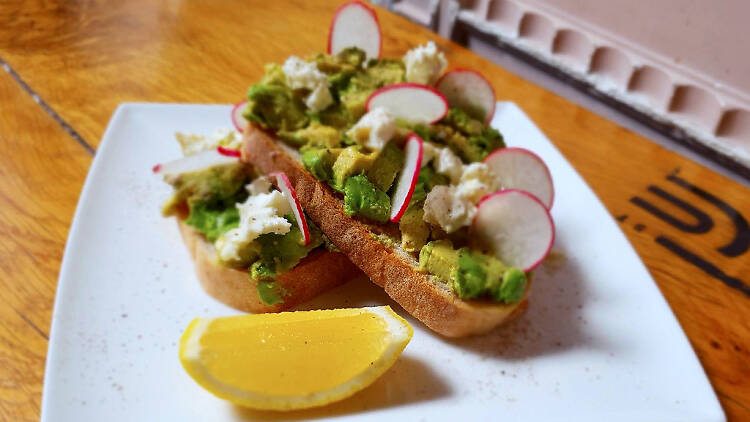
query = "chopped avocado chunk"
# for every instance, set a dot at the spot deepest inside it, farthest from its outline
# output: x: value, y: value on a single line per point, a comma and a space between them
x: 383, y: 170
x: 511, y: 289
x: 316, y: 134
x: 467, y: 137
x: 471, y: 274
x: 361, y: 197
x: 214, y: 184
x: 280, y: 253
x: 273, y: 105
x: 319, y: 162
x: 414, y: 230
x: 346, y: 61
x: 469, y: 277
x: 214, y: 219
x: 426, y: 180
x: 270, y: 293
x: 439, y: 259
x: 382, y: 72
x: 351, y: 161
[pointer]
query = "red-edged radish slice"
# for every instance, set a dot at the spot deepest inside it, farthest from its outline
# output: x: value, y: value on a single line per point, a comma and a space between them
x: 519, y: 168
x: 407, y: 179
x: 195, y: 162
x: 515, y: 226
x: 355, y: 25
x: 229, y: 152
x: 240, y: 123
x: 413, y: 102
x: 468, y: 89
x: 285, y: 186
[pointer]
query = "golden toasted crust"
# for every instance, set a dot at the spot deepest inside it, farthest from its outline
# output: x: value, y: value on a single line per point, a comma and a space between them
x: 319, y: 271
x: 418, y: 293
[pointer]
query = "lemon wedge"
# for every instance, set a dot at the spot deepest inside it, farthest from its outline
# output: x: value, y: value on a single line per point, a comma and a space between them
x: 293, y: 360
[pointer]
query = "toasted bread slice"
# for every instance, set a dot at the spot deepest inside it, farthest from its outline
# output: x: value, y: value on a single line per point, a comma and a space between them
x: 387, y: 265
x: 319, y: 271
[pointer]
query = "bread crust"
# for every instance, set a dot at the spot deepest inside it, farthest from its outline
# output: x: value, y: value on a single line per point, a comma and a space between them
x: 387, y: 266
x: 318, y: 272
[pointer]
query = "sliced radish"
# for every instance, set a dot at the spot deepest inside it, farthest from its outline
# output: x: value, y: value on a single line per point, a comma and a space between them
x: 240, y: 123
x: 285, y: 186
x: 519, y: 168
x: 468, y: 89
x: 229, y: 152
x: 355, y: 25
x: 515, y: 226
x: 195, y: 162
x: 407, y: 179
x: 413, y: 102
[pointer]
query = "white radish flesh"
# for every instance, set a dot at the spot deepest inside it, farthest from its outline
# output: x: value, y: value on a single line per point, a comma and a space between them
x: 240, y: 123
x: 199, y: 161
x: 468, y: 90
x: 413, y: 102
x: 355, y: 25
x: 515, y: 227
x: 519, y: 168
x: 407, y: 179
x: 285, y: 186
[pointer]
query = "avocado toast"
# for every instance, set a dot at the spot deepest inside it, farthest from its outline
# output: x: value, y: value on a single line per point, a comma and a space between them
x: 248, y: 248
x: 399, y: 168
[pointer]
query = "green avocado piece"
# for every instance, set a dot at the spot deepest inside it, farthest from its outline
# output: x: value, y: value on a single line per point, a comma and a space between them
x: 208, y: 186
x: 467, y: 137
x: 382, y: 72
x: 439, y: 259
x: 274, y: 106
x: 414, y: 230
x: 387, y: 164
x: 361, y: 197
x: 346, y: 61
x: 319, y: 162
x: 470, y: 276
x: 282, y: 252
x: 314, y: 135
x: 426, y: 180
x: 350, y: 161
x: 213, y: 219
x: 511, y: 289
x: 270, y: 292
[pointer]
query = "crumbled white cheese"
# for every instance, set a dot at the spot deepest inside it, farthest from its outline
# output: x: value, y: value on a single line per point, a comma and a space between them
x: 192, y: 143
x: 262, y: 212
x: 445, y: 208
x: 476, y: 182
x: 449, y: 164
x: 320, y: 98
x: 452, y: 207
x: 305, y: 75
x: 258, y: 186
x: 424, y: 64
x: 443, y: 160
x: 374, y: 129
x: 429, y: 152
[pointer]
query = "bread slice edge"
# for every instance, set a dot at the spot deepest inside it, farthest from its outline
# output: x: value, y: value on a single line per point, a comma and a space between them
x: 386, y: 265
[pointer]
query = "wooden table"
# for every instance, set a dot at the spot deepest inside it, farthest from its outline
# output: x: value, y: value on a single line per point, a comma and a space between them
x: 82, y: 59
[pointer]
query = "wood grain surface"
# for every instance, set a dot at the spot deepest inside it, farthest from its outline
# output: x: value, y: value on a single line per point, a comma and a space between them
x: 83, y: 58
x: 41, y: 173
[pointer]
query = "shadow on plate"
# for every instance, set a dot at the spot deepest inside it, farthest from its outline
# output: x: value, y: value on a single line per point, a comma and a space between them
x: 554, y: 322
x: 408, y: 381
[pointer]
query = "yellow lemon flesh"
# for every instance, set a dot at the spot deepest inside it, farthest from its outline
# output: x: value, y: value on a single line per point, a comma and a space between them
x: 293, y: 360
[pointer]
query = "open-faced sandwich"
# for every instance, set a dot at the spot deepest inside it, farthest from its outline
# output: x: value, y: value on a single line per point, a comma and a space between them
x: 397, y: 165
x: 252, y: 245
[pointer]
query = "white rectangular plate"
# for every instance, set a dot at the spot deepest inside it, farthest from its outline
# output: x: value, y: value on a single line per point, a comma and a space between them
x: 598, y: 341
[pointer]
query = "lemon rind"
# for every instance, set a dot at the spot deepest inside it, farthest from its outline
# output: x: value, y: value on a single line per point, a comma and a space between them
x: 400, y: 333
